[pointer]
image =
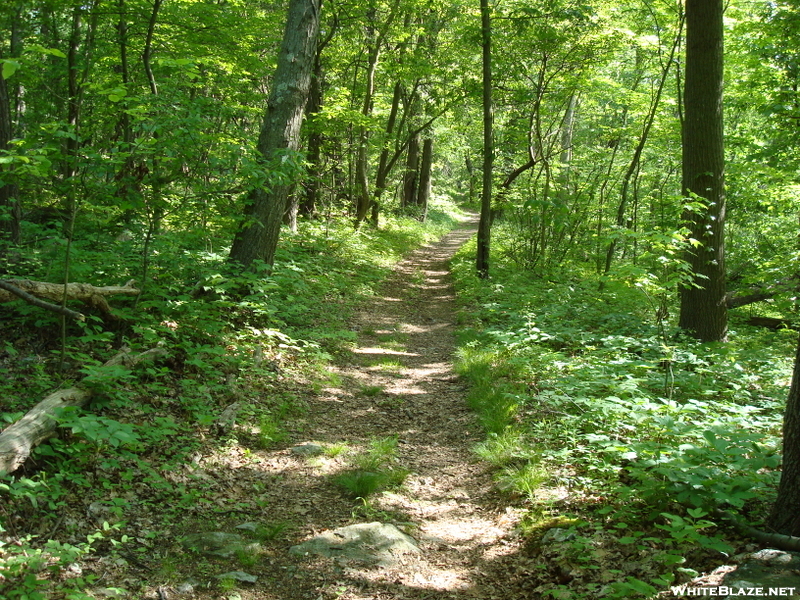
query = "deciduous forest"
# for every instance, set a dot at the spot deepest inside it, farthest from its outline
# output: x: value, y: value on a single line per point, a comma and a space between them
x: 518, y: 279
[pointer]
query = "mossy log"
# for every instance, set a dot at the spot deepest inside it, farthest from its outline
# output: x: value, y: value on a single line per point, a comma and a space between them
x: 39, y: 423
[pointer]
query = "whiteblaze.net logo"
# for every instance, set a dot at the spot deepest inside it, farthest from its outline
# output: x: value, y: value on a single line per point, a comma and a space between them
x: 757, y: 592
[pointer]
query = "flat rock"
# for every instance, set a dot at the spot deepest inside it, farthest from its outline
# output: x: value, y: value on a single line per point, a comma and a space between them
x: 371, y: 543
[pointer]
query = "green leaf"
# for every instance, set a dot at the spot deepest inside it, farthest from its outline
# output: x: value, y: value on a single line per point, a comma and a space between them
x: 9, y: 68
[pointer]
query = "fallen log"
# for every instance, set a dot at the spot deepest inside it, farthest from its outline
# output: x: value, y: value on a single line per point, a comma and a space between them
x: 771, y: 323
x: 62, y: 310
x: 18, y: 439
x: 83, y: 292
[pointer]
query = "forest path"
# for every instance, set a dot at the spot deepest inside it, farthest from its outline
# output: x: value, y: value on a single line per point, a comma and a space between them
x: 398, y: 381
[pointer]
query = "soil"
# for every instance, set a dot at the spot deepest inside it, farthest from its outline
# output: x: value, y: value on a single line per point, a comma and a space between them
x: 397, y: 381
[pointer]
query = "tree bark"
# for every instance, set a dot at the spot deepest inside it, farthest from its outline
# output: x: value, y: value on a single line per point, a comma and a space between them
x: 258, y: 238
x: 17, y: 440
x: 785, y: 515
x: 703, y: 310
x: 484, y: 224
x: 312, y: 183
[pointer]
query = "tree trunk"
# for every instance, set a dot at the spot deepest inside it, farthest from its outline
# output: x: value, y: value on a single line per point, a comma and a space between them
x: 424, y: 191
x: 258, y: 238
x: 308, y: 204
x: 411, y: 176
x: 364, y: 198
x: 311, y: 186
x: 703, y: 309
x: 567, y: 132
x: 785, y: 515
x: 484, y: 225
x: 383, y: 163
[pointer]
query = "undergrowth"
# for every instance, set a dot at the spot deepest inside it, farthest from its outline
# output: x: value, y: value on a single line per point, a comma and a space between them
x: 595, y: 411
x: 255, y: 341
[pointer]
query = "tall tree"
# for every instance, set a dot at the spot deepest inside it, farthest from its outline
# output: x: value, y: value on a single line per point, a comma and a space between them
x: 484, y: 225
x: 703, y: 309
x: 280, y: 132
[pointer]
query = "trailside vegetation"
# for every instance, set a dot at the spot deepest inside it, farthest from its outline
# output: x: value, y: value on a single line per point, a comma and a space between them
x: 606, y: 421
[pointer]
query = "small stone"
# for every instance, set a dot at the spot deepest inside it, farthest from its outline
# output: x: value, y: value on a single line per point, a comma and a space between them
x: 249, y: 526
x: 239, y: 576
x: 109, y: 593
x: 185, y: 588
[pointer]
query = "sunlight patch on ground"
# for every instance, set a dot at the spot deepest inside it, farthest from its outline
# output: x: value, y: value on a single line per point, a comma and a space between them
x: 460, y: 530
x: 383, y: 351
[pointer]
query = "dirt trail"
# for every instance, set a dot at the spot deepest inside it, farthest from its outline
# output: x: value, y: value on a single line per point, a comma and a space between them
x: 399, y: 381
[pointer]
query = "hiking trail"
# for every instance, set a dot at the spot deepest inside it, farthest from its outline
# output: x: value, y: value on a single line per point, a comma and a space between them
x: 398, y: 381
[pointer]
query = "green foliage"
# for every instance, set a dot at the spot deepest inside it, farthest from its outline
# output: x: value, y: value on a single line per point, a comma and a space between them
x: 31, y: 572
x: 99, y: 431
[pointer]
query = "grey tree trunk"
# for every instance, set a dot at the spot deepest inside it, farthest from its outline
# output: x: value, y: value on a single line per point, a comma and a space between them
x: 703, y: 310
x: 280, y: 132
